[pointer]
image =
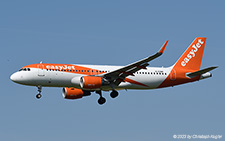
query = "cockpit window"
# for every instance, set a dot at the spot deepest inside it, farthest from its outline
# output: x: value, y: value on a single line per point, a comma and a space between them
x: 25, y: 69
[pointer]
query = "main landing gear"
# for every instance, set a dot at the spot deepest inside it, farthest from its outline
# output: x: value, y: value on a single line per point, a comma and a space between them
x: 102, y: 100
x: 114, y: 94
x: 38, y: 96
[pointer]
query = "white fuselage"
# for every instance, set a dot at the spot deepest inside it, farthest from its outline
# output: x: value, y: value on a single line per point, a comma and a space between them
x: 149, y: 78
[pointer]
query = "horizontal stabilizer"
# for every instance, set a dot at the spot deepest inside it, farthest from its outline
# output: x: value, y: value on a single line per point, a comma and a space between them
x: 200, y: 72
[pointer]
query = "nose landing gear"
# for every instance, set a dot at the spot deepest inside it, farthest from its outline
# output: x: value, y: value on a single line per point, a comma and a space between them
x: 38, y: 96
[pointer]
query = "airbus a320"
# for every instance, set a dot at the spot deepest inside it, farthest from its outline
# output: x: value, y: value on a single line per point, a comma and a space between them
x: 81, y: 80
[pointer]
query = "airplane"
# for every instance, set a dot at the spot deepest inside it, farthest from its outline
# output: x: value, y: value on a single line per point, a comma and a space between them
x: 81, y: 80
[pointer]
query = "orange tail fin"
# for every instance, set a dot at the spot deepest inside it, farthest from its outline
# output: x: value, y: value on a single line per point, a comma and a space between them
x: 191, y: 59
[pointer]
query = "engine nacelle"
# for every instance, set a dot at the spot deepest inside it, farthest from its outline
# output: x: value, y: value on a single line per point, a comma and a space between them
x: 73, y: 93
x: 91, y: 82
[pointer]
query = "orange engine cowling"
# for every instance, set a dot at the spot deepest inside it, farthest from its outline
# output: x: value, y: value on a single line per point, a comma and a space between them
x: 91, y: 82
x: 73, y: 93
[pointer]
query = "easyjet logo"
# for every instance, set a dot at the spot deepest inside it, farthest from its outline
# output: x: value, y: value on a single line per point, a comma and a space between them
x: 192, y: 53
x: 60, y: 67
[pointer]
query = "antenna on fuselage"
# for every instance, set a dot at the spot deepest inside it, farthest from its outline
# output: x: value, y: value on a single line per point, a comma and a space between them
x: 41, y: 62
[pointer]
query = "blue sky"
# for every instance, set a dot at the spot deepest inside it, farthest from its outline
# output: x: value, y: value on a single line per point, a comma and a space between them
x: 114, y: 33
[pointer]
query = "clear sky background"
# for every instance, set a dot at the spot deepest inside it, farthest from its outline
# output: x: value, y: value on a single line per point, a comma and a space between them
x: 114, y: 33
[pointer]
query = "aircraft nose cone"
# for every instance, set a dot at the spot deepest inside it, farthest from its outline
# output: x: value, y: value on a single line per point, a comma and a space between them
x: 14, y: 77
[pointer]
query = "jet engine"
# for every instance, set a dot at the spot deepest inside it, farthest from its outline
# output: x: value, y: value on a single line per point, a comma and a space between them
x: 74, y: 93
x: 91, y: 82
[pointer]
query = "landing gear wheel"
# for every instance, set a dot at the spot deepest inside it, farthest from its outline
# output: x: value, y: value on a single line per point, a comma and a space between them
x: 114, y: 94
x: 101, y: 100
x: 38, y: 96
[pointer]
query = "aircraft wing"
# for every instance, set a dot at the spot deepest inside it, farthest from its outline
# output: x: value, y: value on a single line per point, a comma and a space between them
x: 117, y: 76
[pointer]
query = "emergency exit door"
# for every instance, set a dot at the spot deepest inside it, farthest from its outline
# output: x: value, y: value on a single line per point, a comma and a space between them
x: 41, y: 70
x: 173, y: 75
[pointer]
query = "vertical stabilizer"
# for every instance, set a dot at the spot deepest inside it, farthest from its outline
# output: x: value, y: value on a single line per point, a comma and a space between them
x: 191, y: 59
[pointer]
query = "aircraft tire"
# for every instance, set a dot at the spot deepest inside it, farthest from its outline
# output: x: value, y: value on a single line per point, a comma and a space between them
x: 38, y: 96
x: 101, y: 100
x: 114, y: 94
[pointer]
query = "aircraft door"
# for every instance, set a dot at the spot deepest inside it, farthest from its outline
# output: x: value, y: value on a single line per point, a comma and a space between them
x: 41, y: 70
x: 173, y: 75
